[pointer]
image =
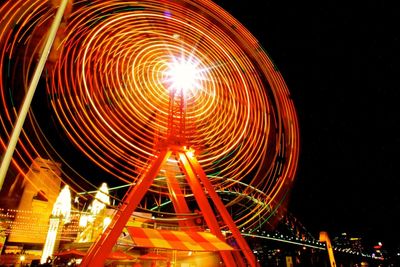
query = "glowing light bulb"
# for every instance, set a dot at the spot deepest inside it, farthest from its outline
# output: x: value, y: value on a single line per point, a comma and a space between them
x: 183, y: 74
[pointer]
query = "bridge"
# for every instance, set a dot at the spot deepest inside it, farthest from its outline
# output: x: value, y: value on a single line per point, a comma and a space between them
x: 290, y: 240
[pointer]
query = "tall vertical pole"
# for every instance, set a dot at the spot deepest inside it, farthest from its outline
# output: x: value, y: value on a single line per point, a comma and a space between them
x: 31, y: 91
x: 324, y: 237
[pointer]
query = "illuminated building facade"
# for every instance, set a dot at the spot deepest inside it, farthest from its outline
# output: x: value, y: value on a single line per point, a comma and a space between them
x: 41, y: 187
x: 60, y: 215
x: 95, y: 220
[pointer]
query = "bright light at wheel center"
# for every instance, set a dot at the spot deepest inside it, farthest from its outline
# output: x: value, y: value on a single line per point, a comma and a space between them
x: 182, y: 75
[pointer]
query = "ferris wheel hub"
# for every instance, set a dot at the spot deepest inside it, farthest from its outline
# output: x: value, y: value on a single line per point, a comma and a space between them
x: 183, y: 74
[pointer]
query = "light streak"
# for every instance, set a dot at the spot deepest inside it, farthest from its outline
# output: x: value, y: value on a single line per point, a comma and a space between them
x: 5, y: 163
x: 107, y: 90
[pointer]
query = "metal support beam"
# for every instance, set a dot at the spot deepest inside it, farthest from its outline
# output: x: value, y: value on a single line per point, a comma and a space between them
x: 179, y: 201
x: 199, y: 184
x: 204, y: 206
x: 223, y: 212
x: 100, y: 250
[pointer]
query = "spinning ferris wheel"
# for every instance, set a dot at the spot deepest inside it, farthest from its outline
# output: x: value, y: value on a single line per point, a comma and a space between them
x: 176, y: 98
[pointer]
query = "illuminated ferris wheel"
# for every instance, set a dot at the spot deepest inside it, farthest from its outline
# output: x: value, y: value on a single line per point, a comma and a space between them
x: 176, y: 98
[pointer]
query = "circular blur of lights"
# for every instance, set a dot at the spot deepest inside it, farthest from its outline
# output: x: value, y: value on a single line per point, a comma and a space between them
x: 107, y: 91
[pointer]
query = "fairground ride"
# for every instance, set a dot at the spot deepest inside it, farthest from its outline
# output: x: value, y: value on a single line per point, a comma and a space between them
x: 176, y: 98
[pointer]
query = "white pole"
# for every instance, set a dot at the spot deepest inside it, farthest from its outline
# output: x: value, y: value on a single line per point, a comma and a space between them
x: 31, y: 91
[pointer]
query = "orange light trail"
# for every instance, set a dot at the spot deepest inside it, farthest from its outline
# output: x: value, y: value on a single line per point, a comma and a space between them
x: 108, y: 90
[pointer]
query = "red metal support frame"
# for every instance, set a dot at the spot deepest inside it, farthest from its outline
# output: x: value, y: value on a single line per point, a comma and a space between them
x: 223, y: 211
x: 199, y: 184
x: 179, y: 201
x: 99, y: 251
x: 204, y: 206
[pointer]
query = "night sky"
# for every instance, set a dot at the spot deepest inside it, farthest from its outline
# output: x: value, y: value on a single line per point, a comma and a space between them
x: 341, y: 66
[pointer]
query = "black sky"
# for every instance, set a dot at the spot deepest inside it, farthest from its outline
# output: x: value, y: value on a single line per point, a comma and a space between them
x: 341, y: 64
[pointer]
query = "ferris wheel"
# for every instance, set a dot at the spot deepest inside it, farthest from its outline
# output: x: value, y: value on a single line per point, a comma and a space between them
x: 178, y: 89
